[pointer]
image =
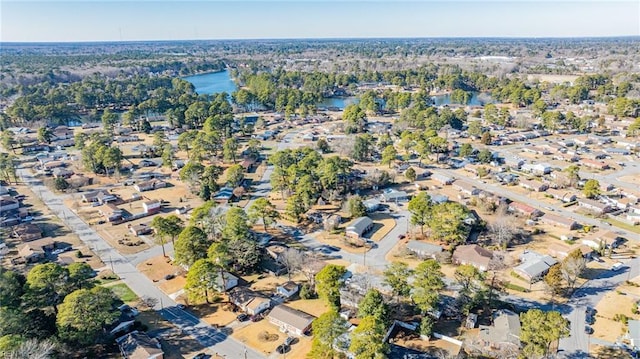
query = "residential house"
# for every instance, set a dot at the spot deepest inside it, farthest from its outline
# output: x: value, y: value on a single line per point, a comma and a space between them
x: 437, y: 198
x: 139, y: 345
x: 371, y: 205
x: 395, y: 196
x: 27, y: 232
x: 424, y: 250
x: 599, y: 165
x: 442, y: 179
x: 288, y: 289
x: 559, y: 221
x: 225, y: 282
x: 111, y: 212
x: 249, y: 301
x: 291, y: 321
x: 504, y: 333
x: 562, y: 195
x: 562, y: 251
x: 524, y: 209
x: 359, y: 227
x: 62, y: 173
x: 332, y: 221
x: 534, y: 266
x: 140, y: 229
x: 537, y: 169
x: 8, y: 203
x: 100, y: 196
x: 466, y: 188
x: 474, y: 255
x: 633, y: 332
x: 224, y: 195
x: 62, y: 133
x: 602, y: 238
x: 149, y: 185
x: 152, y: 206
x: 35, y: 251
x: 595, y: 206
x: 275, y: 250
x: 534, y: 185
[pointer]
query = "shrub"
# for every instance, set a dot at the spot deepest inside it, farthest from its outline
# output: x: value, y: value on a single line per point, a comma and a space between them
x: 79, y: 254
x: 306, y: 292
x: 267, y: 337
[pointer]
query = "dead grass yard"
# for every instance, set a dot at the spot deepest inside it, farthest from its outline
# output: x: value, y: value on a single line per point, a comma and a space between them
x: 250, y: 336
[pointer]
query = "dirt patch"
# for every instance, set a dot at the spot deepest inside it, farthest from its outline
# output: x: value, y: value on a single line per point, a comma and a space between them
x: 250, y: 335
x: 216, y: 314
x: 158, y: 267
x: 634, y: 179
x: 614, y: 303
x: 338, y: 241
x: 386, y: 224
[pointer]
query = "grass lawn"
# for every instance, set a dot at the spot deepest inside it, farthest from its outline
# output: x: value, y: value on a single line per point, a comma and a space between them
x: 123, y: 292
x: 623, y: 225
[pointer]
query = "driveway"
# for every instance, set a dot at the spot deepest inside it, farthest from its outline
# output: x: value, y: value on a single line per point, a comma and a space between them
x: 138, y: 282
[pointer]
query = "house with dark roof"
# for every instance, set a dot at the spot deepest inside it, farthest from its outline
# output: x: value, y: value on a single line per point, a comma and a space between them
x: 291, y: 321
x: 559, y: 221
x: 27, y: 232
x: 595, y: 206
x: 249, y: 301
x: 473, y: 254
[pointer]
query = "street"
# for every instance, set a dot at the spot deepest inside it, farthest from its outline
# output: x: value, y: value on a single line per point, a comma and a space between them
x: 138, y: 282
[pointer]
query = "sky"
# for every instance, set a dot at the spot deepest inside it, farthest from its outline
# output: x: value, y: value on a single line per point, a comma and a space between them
x: 111, y: 20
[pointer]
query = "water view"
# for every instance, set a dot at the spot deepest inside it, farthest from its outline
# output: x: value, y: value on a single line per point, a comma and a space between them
x: 216, y: 82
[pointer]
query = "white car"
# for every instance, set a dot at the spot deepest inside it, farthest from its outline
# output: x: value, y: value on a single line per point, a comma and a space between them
x: 617, y: 266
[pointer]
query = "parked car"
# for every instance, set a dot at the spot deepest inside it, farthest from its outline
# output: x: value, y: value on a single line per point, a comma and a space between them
x: 289, y: 340
x: 588, y: 330
x: 256, y: 318
x: 242, y: 317
x: 201, y: 356
x: 169, y: 276
x: 401, y: 236
x: 283, y: 348
x: 617, y: 266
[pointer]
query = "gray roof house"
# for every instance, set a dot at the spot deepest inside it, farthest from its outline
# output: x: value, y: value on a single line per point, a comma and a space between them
x: 424, y: 250
x: 534, y: 266
x: 504, y: 333
x: 371, y: 204
x: 633, y: 333
x: 291, y: 321
x: 358, y: 227
x: 395, y: 196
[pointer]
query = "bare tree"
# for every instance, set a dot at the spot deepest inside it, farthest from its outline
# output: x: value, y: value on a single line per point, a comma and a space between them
x: 311, y: 265
x: 292, y: 259
x: 572, y: 267
x: 503, y: 229
x: 148, y: 302
x: 33, y: 349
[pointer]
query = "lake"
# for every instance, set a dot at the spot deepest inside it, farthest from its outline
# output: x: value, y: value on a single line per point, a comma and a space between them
x: 215, y: 82
x: 212, y: 82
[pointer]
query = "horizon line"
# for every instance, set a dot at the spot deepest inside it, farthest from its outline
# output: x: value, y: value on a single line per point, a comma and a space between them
x: 594, y: 37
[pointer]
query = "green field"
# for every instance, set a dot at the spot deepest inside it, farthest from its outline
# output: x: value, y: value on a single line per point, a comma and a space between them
x: 123, y: 292
x: 623, y: 225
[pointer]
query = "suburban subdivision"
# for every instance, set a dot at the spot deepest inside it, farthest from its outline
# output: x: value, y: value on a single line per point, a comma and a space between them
x: 417, y: 198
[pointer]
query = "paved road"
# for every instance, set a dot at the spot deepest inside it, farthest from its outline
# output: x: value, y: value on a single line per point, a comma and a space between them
x: 537, y: 203
x: 209, y: 337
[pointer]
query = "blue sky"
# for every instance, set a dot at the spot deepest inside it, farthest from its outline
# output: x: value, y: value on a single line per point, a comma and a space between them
x: 92, y: 20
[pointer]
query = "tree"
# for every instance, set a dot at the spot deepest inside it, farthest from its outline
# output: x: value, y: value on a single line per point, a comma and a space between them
x: 355, y: 207
x: 475, y: 128
x: 84, y: 313
x: 229, y: 149
x: 235, y: 175
x: 466, y: 150
x: 79, y: 275
x: 472, y: 291
x: 410, y: 174
x: 485, y: 156
x: 236, y: 226
x: 632, y: 131
x: 45, y: 134
x: 201, y: 280
x: 8, y: 141
x: 573, y: 172
x: 362, y: 147
x: 367, y: 340
x: 60, y: 184
x: 295, y: 208
x: 389, y: 155
x: 541, y: 329
x: 263, y: 210
x: 32, y: 349
x: 449, y: 224
x: 503, y: 229
x: 396, y: 276
x: 427, y: 284
x: 292, y: 260
x: 167, y: 155
x: 554, y: 279
x: 109, y: 119
x: 48, y: 284
x: 161, y: 228
x: 486, y: 138
x: 245, y: 254
x: 591, y: 188
x: 373, y: 304
x: 326, y: 330
x: 8, y: 168
x: 191, y: 173
x: 355, y: 119
x: 328, y: 282
x: 420, y: 209
x: 426, y: 325
x: 11, y: 287
x: 191, y: 245
x: 323, y: 146
x: 572, y: 267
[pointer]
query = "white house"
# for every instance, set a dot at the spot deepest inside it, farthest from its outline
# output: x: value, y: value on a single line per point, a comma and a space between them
x: 288, y: 289
x: 291, y: 321
x: 229, y: 282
